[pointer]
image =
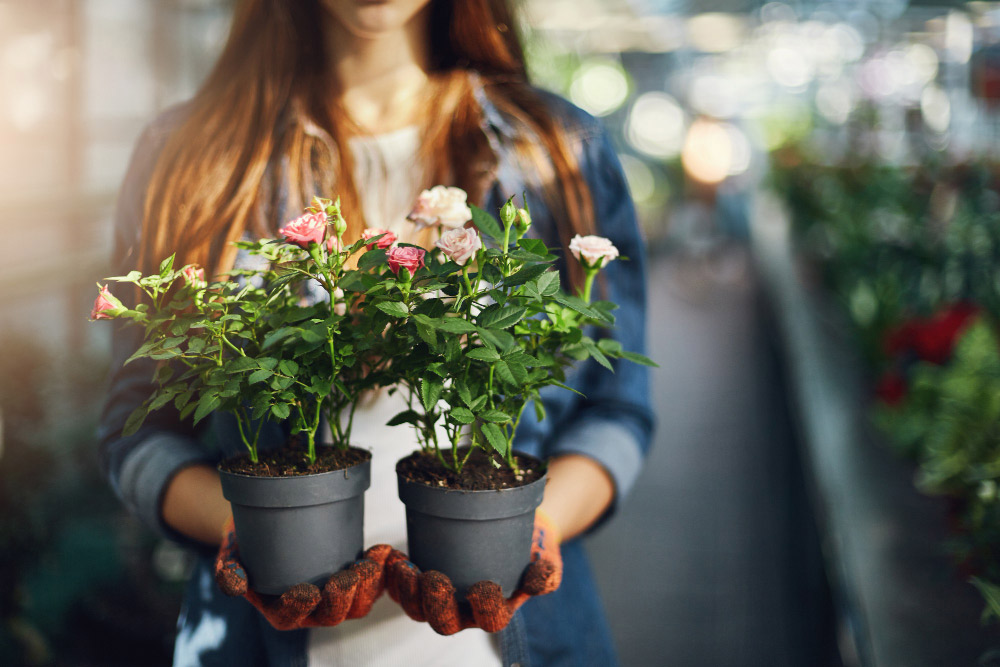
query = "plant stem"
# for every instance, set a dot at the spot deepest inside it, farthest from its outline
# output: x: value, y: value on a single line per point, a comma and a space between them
x: 588, y: 283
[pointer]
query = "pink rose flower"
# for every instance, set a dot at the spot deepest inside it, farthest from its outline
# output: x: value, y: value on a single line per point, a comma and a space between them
x: 407, y: 257
x: 305, y: 229
x: 106, y: 306
x: 383, y: 242
x: 443, y: 206
x: 333, y: 245
x: 595, y: 251
x: 195, y: 276
x: 459, y: 245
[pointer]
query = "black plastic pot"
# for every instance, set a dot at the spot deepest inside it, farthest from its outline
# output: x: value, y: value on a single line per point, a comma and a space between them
x: 471, y: 535
x: 297, y: 529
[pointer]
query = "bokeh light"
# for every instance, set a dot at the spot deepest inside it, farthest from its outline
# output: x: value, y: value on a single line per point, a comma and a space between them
x: 599, y: 87
x: 656, y: 125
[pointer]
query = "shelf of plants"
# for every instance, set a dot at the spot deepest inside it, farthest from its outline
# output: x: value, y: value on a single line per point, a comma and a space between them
x: 885, y: 289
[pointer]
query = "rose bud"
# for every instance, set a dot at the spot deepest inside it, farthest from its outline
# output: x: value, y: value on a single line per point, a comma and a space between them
x: 405, y: 257
x: 459, y: 245
x: 445, y: 206
x: 522, y: 222
x: 593, y: 251
x: 106, y: 305
x: 387, y: 239
x: 195, y: 276
x: 306, y: 229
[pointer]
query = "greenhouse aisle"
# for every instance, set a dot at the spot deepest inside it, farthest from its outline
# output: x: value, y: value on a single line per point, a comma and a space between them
x: 714, y: 561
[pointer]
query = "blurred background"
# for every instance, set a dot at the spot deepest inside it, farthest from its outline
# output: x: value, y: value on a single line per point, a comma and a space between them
x: 818, y: 187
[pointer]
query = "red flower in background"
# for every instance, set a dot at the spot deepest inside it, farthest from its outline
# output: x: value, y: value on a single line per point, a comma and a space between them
x: 891, y: 388
x: 931, y: 339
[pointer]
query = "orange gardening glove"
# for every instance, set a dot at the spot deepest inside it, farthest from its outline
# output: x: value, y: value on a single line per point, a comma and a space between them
x: 430, y: 596
x: 349, y: 593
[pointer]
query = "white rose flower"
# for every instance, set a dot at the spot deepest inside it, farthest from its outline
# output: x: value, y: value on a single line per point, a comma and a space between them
x: 445, y: 206
x: 460, y: 244
x: 594, y: 251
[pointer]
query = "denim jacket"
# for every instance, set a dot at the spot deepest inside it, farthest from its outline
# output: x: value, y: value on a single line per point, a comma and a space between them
x: 611, y: 422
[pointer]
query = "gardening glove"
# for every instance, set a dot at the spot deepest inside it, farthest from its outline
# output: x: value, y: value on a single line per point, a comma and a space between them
x: 349, y: 593
x: 430, y: 596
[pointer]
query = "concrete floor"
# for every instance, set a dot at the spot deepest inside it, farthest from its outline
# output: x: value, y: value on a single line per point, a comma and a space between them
x: 713, y: 560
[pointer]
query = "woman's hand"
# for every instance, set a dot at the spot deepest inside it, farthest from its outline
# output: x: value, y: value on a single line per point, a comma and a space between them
x: 349, y: 593
x: 430, y: 596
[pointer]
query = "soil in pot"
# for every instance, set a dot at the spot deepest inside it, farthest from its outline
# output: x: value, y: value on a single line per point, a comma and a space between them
x: 472, y: 526
x: 480, y: 473
x: 291, y: 460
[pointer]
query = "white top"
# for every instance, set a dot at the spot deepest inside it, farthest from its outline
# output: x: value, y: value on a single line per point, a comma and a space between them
x: 387, y: 637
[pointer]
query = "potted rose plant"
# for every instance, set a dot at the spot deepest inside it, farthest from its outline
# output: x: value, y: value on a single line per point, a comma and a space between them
x: 475, y: 333
x: 260, y: 346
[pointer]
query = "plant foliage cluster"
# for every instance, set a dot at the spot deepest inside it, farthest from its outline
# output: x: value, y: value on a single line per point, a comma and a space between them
x: 470, y: 344
x: 913, y: 256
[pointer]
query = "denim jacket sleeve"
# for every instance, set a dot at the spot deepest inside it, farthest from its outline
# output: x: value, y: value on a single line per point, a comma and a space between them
x: 612, y: 422
x: 140, y: 466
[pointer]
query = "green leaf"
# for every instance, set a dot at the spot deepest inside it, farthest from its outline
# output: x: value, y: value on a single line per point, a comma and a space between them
x: 187, y: 410
x: 240, y: 364
x: 455, y: 325
x: 288, y: 367
x: 483, y: 354
x: 270, y: 363
x: 548, y: 283
x: 495, y: 416
x: 534, y: 246
x: 991, y: 593
x: 162, y: 398
x: 566, y: 387
x: 206, y: 404
x: 281, y: 410
x: 166, y: 266
x: 495, y: 437
x: 430, y: 392
x: 164, y: 373
x: 478, y: 402
x: 143, y: 350
x: 511, y: 372
x: 486, y: 223
x: 501, y: 318
x: 639, y: 358
x: 277, y: 335
x: 539, y: 409
x: 352, y: 282
x: 497, y: 338
x: 596, y: 353
x: 427, y: 333
x: 406, y: 417
x: 314, y: 334
x: 577, y: 304
x: 371, y: 259
x: 393, y: 308
x: 134, y: 421
x: 464, y: 393
x: 196, y: 345
x: 491, y: 274
x: 259, y: 376
x: 462, y: 415
x: 529, y: 272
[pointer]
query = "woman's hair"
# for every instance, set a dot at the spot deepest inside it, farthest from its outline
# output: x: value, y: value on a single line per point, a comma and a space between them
x: 268, y: 102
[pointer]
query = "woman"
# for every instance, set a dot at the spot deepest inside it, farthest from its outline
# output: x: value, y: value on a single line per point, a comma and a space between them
x: 375, y: 100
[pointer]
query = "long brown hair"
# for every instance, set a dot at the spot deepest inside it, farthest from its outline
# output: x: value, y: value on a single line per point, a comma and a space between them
x: 268, y: 102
